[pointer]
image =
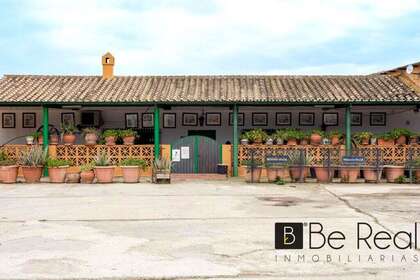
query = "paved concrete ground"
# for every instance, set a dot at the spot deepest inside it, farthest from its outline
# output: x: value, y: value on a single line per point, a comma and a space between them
x: 197, y: 229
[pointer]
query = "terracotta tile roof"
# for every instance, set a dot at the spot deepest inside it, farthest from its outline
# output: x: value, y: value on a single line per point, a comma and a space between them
x: 184, y: 89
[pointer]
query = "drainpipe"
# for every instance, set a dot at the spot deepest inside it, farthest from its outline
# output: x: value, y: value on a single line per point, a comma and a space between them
x: 156, y: 131
x: 348, y: 129
x: 235, y: 141
x: 45, y: 136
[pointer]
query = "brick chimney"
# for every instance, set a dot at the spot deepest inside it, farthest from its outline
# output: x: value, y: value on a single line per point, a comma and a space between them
x: 108, y: 66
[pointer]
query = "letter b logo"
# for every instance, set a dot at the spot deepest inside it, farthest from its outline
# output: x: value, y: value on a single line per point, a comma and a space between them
x: 289, y: 235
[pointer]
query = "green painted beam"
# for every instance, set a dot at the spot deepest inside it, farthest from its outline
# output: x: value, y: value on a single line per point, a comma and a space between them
x: 235, y: 141
x: 45, y: 134
x: 348, y: 129
x: 215, y: 103
x: 157, y: 132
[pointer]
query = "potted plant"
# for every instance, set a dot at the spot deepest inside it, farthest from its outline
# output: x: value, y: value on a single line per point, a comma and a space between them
x: 128, y: 136
x: 316, y: 136
x: 362, y: 137
x: 298, y: 165
x: 385, y: 139
x: 416, y: 165
x: 276, y: 171
x: 104, y: 170
x: 400, y: 135
x: 90, y: 134
x: 31, y: 138
x: 162, y: 171
x: 68, y: 133
x: 335, y: 137
x: 392, y: 172
x: 292, y: 135
x: 306, y: 136
x: 269, y: 140
x: 87, y: 175
x: 57, y: 169
x: 244, y: 138
x: 257, y: 136
x: 131, y: 169
x: 372, y: 173
x: 278, y: 136
x: 110, y: 136
x: 8, y: 169
x: 349, y: 173
x: 54, y: 138
x: 32, y: 162
x: 253, y: 170
x: 413, y: 138
x: 323, y: 173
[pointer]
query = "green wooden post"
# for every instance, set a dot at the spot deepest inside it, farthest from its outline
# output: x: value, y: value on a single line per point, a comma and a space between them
x: 45, y: 136
x: 348, y: 129
x: 196, y: 153
x: 157, y: 133
x: 235, y: 141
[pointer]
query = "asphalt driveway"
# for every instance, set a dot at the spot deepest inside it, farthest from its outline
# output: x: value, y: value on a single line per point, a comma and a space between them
x: 196, y: 229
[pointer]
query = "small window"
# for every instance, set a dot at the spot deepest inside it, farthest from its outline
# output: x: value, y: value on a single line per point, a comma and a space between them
x: 107, y: 60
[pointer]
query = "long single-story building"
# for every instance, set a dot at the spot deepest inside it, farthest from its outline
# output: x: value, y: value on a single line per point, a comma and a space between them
x: 168, y: 109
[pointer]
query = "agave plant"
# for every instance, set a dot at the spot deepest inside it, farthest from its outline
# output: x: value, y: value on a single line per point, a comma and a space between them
x: 34, y: 156
x: 162, y: 164
x: 102, y: 160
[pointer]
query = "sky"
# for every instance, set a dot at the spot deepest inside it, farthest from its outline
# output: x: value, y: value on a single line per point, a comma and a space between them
x: 167, y: 37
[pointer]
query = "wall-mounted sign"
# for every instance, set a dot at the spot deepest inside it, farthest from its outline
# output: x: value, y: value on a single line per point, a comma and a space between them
x: 176, y: 155
x: 353, y: 160
x: 185, y: 152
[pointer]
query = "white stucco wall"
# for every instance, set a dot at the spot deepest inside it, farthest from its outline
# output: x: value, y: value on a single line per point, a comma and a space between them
x: 115, y: 118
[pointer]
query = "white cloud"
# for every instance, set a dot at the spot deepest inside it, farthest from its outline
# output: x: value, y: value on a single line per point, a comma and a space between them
x: 174, y: 38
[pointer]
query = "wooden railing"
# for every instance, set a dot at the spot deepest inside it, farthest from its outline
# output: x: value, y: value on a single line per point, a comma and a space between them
x: 81, y: 154
x: 316, y: 155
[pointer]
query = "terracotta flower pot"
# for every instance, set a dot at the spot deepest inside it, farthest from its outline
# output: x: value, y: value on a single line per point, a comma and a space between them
x: 131, y: 174
x: 296, y: 172
x: 393, y: 172
x: 69, y: 139
x: 54, y: 139
x: 271, y: 174
x: 40, y: 140
x: 349, y: 174
x: 57, y: 174
x: 365, y: 141
x: 322, y: 174
x: 291, y: 141
x: 72, y: 177
x: 32, y: 174
x: 304, y: 142
x: 8, y: 174
x: 258, y: 141
x: 104, y: 174
x: 87, y: 177
x: 110, y: 140
x: 29, y: 140
x: 402, y: 140
x: 413, y: 140
x: 417, y: 174
x: 129, y: 140
x: 370, y: 174
x: 383, y: 142
x: 253, y: 175
x: 283, y: 172
x: 335, y: 140
x: 91, y: 138
x: 316, y: 139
